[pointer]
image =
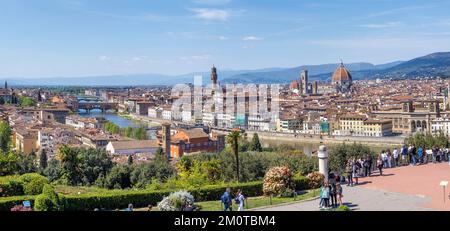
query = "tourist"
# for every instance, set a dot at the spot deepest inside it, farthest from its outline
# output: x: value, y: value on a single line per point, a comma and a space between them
x: 434, y: 155
x: 355, y: 169
x: 240, y: 200
x: 325, y: 196
x: 227, y: 201
x: 384, y: 158
x: 412, y: 155
x: 380, y: 165
x: 369, y: 159
x: 349, y: 171
x: 366, y: 167
x: 396, y: 156
x: 389, y: 158
x: 332, y: 187
x: 130, y: 207
x: 339, y: 193
x: 420, y: 154
x: 404, y: 155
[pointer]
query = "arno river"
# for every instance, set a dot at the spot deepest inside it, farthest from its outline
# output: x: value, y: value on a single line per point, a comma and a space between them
x: 118, y: 120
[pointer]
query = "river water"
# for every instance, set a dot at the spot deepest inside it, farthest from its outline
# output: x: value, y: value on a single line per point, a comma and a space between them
x: 118, y: 120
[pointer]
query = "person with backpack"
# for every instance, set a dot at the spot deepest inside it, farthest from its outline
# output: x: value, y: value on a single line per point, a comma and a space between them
x: 227, y: 200
x: 420, y: 154
x: 240, y: 200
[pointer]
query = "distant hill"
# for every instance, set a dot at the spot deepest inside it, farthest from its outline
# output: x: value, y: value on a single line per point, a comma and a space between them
x: 436, y: 64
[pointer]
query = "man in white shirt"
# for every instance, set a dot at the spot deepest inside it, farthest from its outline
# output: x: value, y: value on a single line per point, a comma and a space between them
x: 396, y: 155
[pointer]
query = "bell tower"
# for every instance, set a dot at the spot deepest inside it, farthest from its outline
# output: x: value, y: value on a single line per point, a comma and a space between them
x: 214, y: 75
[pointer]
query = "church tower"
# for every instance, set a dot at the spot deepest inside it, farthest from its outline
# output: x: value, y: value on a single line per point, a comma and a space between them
x: 304, y: 82
x: 214, y: 75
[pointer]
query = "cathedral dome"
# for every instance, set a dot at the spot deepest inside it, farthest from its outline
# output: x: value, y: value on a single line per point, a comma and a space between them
x: 341, y: 75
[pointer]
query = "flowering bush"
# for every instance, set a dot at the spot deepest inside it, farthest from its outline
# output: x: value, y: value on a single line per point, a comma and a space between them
x: 315, y: 179
x: 278, y: 181
x: 176, y: 201
x: 21, y: 208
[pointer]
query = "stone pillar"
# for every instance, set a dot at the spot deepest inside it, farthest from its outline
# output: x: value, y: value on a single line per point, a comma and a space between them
x: 323, y: 161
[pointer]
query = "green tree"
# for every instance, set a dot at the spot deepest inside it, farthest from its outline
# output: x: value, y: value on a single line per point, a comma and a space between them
x: 340, y: 154
x: 53, y: 171
x: 93, y: 163
x: 255, y: 144
x: 27, y: 102
x: 130, y: 160
x: 233, y: 139
x: 5, y: 136
x: 43, y: 160
x: 8, y: 164
x: 119, y: 177
x: 70, y: 165
x: 26, y: 163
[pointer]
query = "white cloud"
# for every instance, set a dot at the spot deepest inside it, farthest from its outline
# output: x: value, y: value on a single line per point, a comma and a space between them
x: 197, y: 57
x: 222, y: 38
x: 252, y: 38
x: 211, y: 14
x: 104, y: 58
x: 212, y: 2
x: 382, y: 25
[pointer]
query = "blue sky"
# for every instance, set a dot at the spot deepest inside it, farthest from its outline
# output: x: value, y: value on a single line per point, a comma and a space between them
x: 48, y: 38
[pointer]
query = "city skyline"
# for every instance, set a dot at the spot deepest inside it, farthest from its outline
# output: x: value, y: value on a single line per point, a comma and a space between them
x: 68, y: 38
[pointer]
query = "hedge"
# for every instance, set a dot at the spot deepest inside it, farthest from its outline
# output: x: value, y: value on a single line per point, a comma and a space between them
x: 26, y: 184
x: 142, y: 198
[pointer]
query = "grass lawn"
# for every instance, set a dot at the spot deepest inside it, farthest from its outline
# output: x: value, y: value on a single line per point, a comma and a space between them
x: 252, y: 202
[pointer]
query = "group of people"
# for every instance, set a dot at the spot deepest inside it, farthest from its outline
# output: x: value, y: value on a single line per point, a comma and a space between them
x: 356, y: 168
x: 331, y: 192
x: 227, y: 200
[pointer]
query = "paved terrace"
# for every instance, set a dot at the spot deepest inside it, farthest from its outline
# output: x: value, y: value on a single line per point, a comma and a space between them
x: 411, y: 188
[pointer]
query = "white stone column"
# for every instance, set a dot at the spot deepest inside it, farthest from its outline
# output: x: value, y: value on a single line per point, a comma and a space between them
x: 323, y: 161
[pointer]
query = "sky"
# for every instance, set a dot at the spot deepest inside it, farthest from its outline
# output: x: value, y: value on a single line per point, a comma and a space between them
x: 70, y: 38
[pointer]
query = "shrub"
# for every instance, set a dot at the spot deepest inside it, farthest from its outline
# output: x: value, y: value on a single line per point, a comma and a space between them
x: 277, y: 181
x: 176, y: 201
x: 315, y: 180
x: 33, y: 183
x: 6, y: 203
x: 49, y: 200
x: 10, y: 186
x: 343, y: 208
x: 301, y: 182
x: 21, y: 208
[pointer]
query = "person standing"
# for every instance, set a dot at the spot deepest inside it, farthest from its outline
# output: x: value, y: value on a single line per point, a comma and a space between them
x: 396, y: 157
x: 384, y: 158
x: 413, y: 154
x: 349, y: 171
x: 420, y: 154
x: 380, y: 165
x: 366, y: 167
x: 326, y: 195
x: 339, y: 193
x: 389, y: 158
x: 434, y: 154
x: 370, y: 161
x: 227, y: 201
x: 355, y: 170
x: 240, y: 199
x: 404, y: 155
x: 332, y: 187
